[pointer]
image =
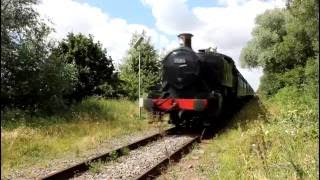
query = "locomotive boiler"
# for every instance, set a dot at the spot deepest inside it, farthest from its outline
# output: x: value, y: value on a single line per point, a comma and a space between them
x: 197, y: 87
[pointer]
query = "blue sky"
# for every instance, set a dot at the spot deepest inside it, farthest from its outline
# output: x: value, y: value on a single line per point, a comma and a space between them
x: 134, y: 11
x: 225, y: 24
x: 131, y: 10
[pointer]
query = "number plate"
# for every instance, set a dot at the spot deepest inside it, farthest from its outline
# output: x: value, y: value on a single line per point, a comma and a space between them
x: 179, y: 61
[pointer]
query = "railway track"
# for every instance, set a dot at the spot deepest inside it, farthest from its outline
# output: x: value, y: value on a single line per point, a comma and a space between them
x: 143, y: 159
x: 156, y: 169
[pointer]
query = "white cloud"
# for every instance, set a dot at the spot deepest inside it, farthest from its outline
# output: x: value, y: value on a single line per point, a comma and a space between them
x: 173, y: 16
x: 230, y: 26
x: 231, y: 2
x: 227, y: 26
x: 114, y: 33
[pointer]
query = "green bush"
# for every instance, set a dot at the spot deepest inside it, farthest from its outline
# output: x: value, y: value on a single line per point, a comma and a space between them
x: 31, y: 76
x: 93, y: 66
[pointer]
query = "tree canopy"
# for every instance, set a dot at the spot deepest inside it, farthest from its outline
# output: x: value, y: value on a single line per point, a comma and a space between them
x: 30, y: 76
x: 38, y: 73
x: 150, y: 67
x: 285, y: 43
x: 94, y: 67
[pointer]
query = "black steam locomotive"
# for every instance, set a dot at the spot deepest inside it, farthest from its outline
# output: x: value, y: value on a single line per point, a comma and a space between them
x: 197, y: 87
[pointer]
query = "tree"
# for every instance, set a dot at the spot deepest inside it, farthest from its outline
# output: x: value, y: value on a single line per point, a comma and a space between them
x: 285, y: 42
x: 30, y: 76
x: 94, y: 68
x: 150, y: 67
x: 268, y: 33
x: 17, y: 19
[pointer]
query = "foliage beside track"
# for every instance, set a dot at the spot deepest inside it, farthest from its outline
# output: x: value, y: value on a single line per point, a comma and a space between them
x: 35, y: 140
x: 43, y: 74
x: 282, y: 141
x: 262, y: 141
x: 285, y: 44
x: 39, y: 73
x: 276, y: 136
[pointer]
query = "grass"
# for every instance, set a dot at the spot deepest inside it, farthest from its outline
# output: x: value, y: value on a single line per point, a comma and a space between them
x: 276, y: 138
x: 96, y: 167
x: 264, y: 142
x: 35, y: 140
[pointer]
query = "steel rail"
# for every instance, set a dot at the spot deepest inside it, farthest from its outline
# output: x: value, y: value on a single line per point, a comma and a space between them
x: 81, y: 167
x: 162, y: 165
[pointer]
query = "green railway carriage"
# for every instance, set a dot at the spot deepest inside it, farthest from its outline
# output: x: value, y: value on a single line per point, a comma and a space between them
x: 220, y: 72
x: 243, y: 87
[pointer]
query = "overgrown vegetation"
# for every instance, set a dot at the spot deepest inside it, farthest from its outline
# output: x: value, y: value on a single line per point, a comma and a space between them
x: 44, y: 81
x: 30, y: 77
x: 49, y: 90
x: 286, y: 45
x: 275, y: 136
x: 94, y: 68
x: 42, y: 74
x: 36, y: 73
x: 259, y: 145
x: 38, y: 139
x: 95, y: 167
x: 280, y: 142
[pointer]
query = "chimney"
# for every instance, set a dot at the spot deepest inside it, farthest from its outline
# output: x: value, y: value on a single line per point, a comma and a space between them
x: 185, y: 40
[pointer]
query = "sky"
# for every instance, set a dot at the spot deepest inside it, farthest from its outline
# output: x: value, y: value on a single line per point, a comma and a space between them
x: 225, y: 24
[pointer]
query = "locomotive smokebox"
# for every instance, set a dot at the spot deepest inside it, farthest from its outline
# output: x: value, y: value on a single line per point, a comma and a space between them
x: 185, y: 40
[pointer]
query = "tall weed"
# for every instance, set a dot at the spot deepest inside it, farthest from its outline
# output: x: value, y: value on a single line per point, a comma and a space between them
x: 36, y: 139
x: 276, y: 140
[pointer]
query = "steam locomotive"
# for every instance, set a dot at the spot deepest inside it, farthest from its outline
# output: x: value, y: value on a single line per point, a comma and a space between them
x: 197, y: 87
